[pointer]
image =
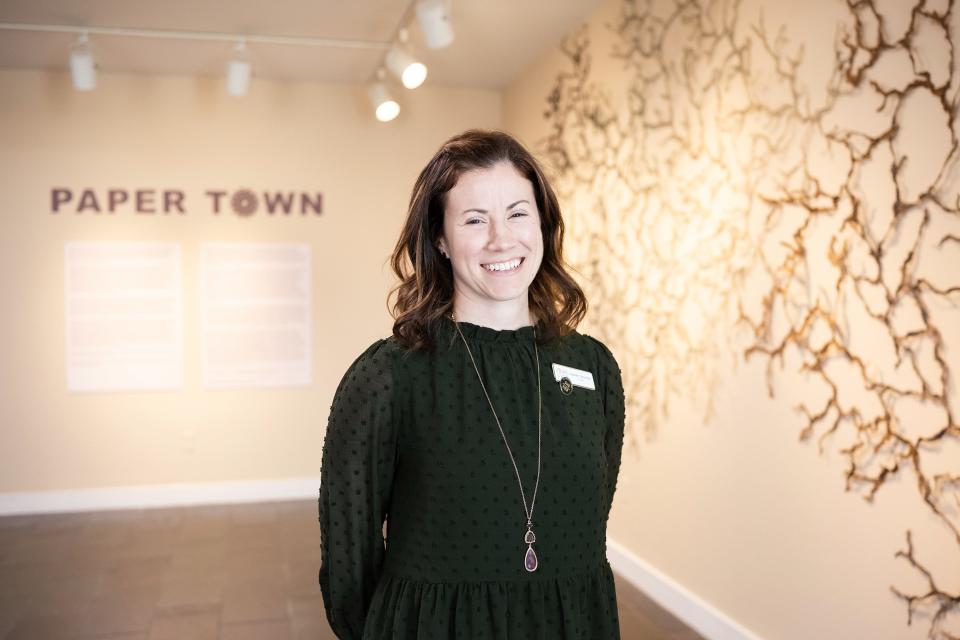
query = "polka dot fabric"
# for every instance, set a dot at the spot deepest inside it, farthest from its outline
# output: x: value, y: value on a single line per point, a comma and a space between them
x: 411, y: 441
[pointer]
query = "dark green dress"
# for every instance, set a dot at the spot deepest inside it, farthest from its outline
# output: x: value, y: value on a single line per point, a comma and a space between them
x: 411, y: 440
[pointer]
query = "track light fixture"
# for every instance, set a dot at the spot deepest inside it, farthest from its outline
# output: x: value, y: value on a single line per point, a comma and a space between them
x: 407, y: 69
x: 83, y: 68
x: 434, y: 19
x: 384, y: 106
x: 239, y: 68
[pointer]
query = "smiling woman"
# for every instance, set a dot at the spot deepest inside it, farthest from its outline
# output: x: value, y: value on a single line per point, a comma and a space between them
x: 491, y: 234
x: 482, y: 199
x: 448, y: 428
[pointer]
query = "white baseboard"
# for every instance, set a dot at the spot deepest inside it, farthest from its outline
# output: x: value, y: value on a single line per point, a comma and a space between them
x: 158, y: 495
x: 695, y: 612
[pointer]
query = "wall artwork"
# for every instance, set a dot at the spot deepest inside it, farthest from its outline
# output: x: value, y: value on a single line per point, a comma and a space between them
x: 744, y: 183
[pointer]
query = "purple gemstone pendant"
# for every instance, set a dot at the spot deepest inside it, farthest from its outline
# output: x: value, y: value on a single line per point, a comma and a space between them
x: 530, y: 559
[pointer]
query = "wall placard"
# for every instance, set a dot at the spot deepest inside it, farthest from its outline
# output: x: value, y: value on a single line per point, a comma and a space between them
x: 123, y: 316
x: 256, y: 315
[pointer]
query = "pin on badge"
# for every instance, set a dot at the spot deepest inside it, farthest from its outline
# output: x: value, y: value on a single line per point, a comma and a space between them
x: 566, y: 386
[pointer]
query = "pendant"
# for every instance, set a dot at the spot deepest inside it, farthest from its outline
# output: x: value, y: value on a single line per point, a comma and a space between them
x: 530, y: 559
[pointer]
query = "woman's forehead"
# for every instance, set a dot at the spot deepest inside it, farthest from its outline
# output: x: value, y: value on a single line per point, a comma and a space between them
x: 499, y: 180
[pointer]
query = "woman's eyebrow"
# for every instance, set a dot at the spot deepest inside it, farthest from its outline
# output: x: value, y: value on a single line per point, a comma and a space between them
x: 509, y: 206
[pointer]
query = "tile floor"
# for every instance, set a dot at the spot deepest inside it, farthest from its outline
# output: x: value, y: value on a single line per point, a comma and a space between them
x: 230, y: 572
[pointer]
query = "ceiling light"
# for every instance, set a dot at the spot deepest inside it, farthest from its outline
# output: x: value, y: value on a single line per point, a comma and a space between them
x: 384, y: 105
x: 403, y: 65
x: 434, y: 19
x: 83, y: 68
x: 239, y: 68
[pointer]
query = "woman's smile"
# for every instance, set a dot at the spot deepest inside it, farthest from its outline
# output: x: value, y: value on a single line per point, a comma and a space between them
x: 504, y: 268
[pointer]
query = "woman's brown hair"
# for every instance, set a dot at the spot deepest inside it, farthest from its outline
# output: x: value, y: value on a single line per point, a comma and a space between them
x: 425, y: 292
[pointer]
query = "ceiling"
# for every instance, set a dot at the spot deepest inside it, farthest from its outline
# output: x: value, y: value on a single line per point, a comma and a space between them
x: 494, y: 39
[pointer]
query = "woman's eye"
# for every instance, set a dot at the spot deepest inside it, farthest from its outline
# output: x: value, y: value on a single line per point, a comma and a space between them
x: 480, y: 220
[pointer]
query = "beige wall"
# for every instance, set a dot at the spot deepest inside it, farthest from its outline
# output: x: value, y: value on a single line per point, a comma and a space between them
x: 733, y: 507
x: 184, y: 132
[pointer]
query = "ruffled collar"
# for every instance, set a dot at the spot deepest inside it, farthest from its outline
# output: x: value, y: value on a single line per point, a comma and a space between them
x: 475, y: 332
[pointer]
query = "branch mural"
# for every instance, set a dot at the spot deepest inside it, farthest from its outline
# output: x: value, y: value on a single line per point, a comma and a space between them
x: 714, y: 159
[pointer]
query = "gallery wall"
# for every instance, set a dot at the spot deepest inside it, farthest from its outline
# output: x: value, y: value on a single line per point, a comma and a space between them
x: 63, y: 448
x: 762, y: 204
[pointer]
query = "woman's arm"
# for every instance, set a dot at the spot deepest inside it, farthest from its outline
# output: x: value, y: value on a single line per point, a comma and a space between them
x: 356, y: 477
x: 614, y: 410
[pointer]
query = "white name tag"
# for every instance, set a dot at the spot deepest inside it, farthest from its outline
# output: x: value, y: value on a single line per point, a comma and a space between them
x: 578, y: 377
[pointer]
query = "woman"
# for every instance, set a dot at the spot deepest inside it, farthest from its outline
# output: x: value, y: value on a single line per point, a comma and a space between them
x: 486, y: 430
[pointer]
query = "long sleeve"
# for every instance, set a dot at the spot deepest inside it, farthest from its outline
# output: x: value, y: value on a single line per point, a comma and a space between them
x: 614, y: 409
x: 356, y: 478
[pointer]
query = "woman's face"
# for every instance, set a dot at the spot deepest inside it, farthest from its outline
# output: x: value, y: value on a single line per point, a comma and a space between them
x: 491, y: 220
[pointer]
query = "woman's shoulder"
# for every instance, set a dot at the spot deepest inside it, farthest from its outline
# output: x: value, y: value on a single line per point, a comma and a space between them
x: 374, y: 363
x: 382, y: 348
x: 382, y: 352
x: 601, y: 361
x: 587, y: 345
x: 593, y: 353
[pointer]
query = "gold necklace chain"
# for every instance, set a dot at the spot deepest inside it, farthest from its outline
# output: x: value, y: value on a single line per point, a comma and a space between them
x: 530, y: 561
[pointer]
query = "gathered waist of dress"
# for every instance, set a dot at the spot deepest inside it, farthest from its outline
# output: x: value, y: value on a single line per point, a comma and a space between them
x: 574, y: 574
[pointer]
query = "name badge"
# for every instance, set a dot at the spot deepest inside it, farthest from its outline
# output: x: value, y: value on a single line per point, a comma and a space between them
x: 578, y: 377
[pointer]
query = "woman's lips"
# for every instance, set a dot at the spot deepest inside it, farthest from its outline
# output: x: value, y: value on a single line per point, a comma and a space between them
x: 504, y: 271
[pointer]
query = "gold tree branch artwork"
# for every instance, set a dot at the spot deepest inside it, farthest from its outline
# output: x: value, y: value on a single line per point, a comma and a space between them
x: 702, y: 167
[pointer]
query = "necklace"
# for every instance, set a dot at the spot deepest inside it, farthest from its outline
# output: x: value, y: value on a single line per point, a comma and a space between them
x: 530, y: 562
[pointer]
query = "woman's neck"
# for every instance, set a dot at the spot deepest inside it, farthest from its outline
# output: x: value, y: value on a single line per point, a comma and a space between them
x: 497, y: 318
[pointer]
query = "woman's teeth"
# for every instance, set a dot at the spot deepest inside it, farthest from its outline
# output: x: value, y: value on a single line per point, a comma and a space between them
x: 509, y: 265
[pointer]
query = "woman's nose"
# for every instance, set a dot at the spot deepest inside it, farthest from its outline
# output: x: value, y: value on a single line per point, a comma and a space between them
x: 501, y: 236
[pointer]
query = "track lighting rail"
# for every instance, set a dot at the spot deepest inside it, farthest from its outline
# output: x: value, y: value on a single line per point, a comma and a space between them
x: 330, y: 43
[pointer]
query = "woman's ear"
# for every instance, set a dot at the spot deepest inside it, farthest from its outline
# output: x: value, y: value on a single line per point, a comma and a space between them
x: 442, y: 248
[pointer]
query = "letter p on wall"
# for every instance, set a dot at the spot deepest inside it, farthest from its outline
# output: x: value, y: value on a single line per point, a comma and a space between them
x: 59, y: 197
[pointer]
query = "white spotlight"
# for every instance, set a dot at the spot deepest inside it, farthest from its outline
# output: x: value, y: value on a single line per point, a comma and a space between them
x: 83, y: 68
x: 239, y: 68
x: 434, y: 19
x: 403, y: 65
x: 384, y: 105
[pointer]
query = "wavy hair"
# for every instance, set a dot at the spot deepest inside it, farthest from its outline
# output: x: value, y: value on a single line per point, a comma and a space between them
x: 425, y: 292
